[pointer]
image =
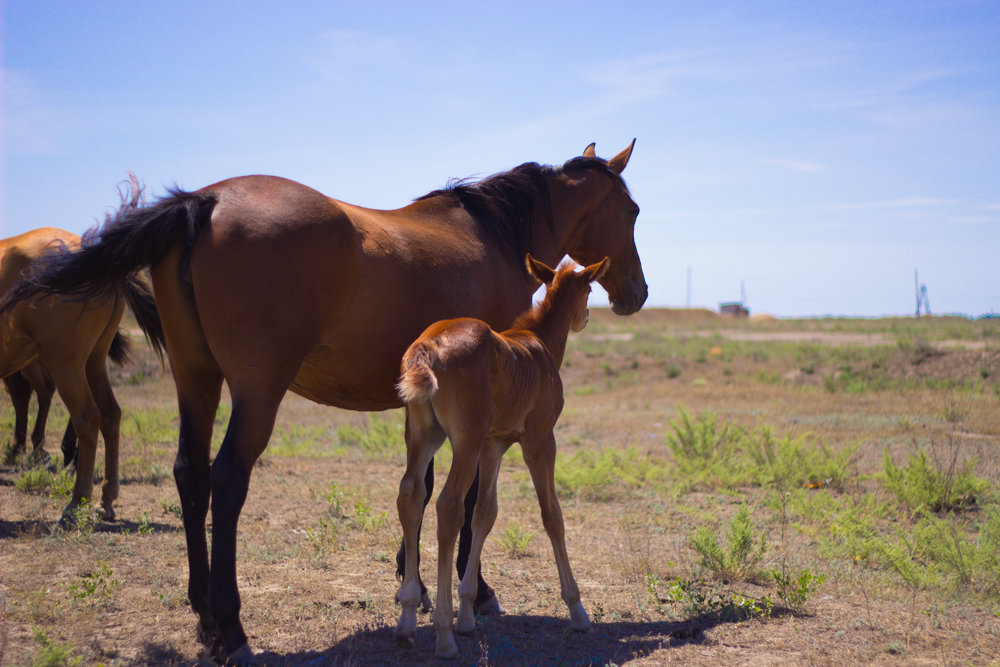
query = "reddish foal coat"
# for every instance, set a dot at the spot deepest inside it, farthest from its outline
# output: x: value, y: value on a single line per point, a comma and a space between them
x: 486, y: 390
x: 270, y: 286
x: 70, y: 341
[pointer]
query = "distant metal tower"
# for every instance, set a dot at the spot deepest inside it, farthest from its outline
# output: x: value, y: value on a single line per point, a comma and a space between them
x: 921, y: 293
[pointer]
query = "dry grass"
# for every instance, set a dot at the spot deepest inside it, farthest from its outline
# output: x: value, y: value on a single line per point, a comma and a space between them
x: 316, y: 560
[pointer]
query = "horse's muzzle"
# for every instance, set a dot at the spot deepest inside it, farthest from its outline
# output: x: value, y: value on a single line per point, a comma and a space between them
x: 631, y: 300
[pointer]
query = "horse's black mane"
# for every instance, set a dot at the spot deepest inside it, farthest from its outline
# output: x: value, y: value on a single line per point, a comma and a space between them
x: 508, y: 204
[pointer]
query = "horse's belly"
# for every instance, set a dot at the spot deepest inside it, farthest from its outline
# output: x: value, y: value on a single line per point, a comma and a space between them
x: 345, y: 382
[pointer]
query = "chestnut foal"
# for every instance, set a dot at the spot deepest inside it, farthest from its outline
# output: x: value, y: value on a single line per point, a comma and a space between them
x: 484, y: 391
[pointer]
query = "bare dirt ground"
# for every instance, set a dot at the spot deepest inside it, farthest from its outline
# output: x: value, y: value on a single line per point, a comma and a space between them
x: 318, y: 534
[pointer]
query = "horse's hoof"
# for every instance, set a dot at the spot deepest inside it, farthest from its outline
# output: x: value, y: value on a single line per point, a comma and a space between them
x: 40, y: 457
x: 446, y: 648
x: 106, y: 512
x: 425, y: 604
x: 206, y: 636
x: 241, y: 656
x: 489, y: 607
x: 406, y: 640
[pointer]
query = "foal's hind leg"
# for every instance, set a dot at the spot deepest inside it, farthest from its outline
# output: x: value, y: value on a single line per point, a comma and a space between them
x: 424, y: 436
x: 483, y: 518
x: 540, y: 456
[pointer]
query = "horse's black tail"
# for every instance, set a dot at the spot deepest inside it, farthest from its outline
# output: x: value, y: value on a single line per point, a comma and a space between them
x: 121, y: 349
x: 110, y: 257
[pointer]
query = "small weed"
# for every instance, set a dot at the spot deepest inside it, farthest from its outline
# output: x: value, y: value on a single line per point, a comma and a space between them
x: 795, y: 592
x: 96, y: 585
x: 52, y: 653
x: 745, y: 551
x: 145, y: 527
x: 515, y: 540
x: 172, y: 508
x: 954, y: 411
x: 37, y: 481
x: 700, y: 600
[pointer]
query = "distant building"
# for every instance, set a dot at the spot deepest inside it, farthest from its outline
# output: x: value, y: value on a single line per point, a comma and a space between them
x: 734, y: 308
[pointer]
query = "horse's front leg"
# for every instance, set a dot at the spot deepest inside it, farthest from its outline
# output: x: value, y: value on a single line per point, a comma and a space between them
x: 484, y: 516
x: 540, y: 456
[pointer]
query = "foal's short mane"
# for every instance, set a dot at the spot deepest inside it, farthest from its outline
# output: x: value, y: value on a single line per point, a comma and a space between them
x: 530, y: 319
x: 507, y: 205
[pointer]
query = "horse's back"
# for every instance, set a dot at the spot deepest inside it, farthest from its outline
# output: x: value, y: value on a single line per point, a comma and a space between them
x: 18, y: 252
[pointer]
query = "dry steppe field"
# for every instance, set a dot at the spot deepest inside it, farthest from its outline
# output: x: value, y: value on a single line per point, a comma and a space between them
x: 820, y: 491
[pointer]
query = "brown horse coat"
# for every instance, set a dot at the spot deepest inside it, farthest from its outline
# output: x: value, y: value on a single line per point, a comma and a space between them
x: 67, y: 341
x: 270, y: 286
x: 485, y: 390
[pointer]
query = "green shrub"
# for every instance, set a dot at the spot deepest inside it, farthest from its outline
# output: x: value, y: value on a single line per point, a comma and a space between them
x: 924, y: 488
x: 745, y: 550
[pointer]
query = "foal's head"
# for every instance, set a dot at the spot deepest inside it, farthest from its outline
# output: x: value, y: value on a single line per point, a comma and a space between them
x: 566, y: 291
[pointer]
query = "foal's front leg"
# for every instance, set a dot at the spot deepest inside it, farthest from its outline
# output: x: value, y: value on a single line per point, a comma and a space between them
x: 540, y: 457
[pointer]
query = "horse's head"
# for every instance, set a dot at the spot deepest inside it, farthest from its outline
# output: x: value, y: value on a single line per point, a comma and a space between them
x: 606, y: 228
x: 570, y: 287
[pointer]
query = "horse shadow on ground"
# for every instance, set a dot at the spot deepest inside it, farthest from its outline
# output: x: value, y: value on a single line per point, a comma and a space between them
x: 504, y: 640
x: 43, y: 528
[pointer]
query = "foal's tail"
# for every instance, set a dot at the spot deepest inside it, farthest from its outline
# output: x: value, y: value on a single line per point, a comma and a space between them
x: 418, y: 382
x: 111, y: 257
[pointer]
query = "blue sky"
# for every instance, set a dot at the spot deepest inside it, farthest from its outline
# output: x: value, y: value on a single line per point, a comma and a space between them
x: 816, y: 152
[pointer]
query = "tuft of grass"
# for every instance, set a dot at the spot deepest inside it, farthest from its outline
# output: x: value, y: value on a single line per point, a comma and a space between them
x: 52, y: 653
x: 740, y: 560
x: 608, y: 473
x: 36, y: 481
x: 516, y: 540
x: 923, y: 487
x: 383, y: 438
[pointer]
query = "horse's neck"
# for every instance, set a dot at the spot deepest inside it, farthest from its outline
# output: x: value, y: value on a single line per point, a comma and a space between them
x: 552, y: 328
x: 551, y: 242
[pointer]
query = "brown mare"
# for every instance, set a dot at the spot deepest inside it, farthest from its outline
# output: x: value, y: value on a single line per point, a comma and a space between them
x: 270, y: 286
x: 67, y: 343
x: 484, y: 391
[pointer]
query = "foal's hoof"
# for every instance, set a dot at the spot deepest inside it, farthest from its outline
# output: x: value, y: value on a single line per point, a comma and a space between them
x: 406, y: 640
x: 425, y: 604
x: 489, y: 607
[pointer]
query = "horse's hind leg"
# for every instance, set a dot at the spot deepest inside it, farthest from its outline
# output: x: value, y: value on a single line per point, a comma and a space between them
x: 44, y: 388
x: 483, y: 518
x: 250, y: 426
x: 71, y: 383
x: 111, y: 417
x: 540, y: 456
x: 424, y: 436
x: 20, y: 395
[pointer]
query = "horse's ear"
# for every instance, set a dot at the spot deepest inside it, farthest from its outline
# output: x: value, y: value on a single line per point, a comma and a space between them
x: 589, y: 150
x: 618, y: 162
x: 540, y: 270
x: 597, y: 271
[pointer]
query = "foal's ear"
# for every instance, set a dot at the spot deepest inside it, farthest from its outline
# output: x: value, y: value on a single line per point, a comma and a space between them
x: 618, y: 162
x: 589, y: 150
x: 597, y: 271
x: 540, y: 270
